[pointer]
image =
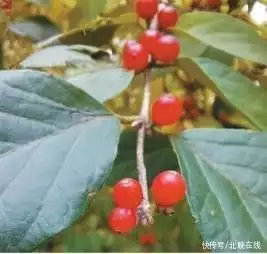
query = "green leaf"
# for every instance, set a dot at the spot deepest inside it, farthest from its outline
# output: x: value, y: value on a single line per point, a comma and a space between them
x: 103, y: 84
x: 44, y: 2
x: 232, y: 86
x: 158, y: 157
x: 57, y: 143
x: 94, y: 52
x: 54, y: 57
x: 218, y: 55
x: 206, y: 122
x: 90, y: 9
x: 37, y: 28
x: 191, y: 47
x: 225, y: 33
x: 226, y: 177
x: 94, y: 36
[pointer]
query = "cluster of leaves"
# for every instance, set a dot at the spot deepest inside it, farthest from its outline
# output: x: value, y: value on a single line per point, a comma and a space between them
x: 59, y: 141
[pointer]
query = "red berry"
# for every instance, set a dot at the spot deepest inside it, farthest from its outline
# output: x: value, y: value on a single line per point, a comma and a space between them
x: 127, y: 193
x: 214, y: 3
x: 147, y: 239
x: 146, y: 9
x: 6, y: 4
x: 122, y: 220
x: 189, y: 103
x: 223, y: 117
x: 167, y: 16
x: 168, y: 49
x: 167, y: 110
x: 193, y: 113
x: 168, y: 188
x: 149, y: 40
x: 135, y: 56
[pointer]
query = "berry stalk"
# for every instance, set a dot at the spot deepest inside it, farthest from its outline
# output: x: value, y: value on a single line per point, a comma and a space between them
x: 144, y: 210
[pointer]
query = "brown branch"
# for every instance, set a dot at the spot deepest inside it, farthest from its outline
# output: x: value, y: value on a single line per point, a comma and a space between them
x: 144, y: 210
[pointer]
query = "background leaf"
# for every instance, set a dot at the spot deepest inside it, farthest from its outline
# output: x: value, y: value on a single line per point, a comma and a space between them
x: 51, y: 137
x: 37, y: 28
x: 55, y: 56
x: 158, y: 157
x: 90, y: 9
x: 45, y: 2
x: 225, y: 33
x: 226, y: 176
x: 232, y: 86
x: 94, y: 36
x: 103, y: 84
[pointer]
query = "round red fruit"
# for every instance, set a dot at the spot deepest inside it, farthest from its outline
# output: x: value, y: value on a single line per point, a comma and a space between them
x: 167, y: 16
x: 135, y: 56
x: 193, y: 113
x: 127, y: 193
x: 6, y: 4
x: 168, y: 188
x: 146, y: 9
x: 167, y: 110
x: 122, y: 220
x: 214, y: 3
x: 168, y: 49
x: 149, y: 40
x: 147, y: 239
x: 189, y: 103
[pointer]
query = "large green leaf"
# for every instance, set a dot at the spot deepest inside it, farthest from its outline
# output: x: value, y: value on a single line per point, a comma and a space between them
x: 103, y: 84
x: 232, y: 86
x: 158, y: 157
x: 226, y: 175
x: 57, y: 143
x: 191, y: 47
x: 225, y: 33
x: 37, y: 28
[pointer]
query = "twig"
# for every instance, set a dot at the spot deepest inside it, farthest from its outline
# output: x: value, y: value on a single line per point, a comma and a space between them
x: 144, y: 211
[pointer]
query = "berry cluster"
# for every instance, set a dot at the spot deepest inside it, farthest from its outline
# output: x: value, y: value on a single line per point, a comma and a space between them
x: 153, y: 44
x: 127, y: 196
x: 6, y: 6
x: 168, y: 188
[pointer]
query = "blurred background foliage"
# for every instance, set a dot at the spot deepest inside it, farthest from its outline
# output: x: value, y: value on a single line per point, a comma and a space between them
x: 107, y: 24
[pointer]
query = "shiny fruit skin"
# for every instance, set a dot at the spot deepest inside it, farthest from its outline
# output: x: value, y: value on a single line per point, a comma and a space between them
x: 146, y: 9
x: 168, y: 49
x: 167, y: 17
x: 122, y: 220
x: 167, y: 110
x: 168, y: 188
x: 149, y: 40
x: 134, y: 56
x: 127, y: 193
